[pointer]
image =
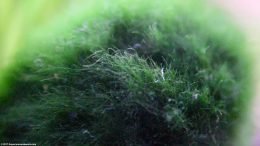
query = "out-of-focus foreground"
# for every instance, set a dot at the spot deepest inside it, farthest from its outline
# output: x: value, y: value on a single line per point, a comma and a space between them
x: 247, y: 14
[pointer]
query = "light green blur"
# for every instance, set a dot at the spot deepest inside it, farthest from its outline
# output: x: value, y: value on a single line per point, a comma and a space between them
x: 19, y: 20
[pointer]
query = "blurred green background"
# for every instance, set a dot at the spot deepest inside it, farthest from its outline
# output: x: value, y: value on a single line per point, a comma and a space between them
x: 20, y: 20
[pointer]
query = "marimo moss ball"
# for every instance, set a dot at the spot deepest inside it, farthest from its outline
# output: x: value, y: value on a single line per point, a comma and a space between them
x: 137, y: 73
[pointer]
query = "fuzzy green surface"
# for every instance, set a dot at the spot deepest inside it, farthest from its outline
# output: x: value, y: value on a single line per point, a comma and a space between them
x: 133, y: 73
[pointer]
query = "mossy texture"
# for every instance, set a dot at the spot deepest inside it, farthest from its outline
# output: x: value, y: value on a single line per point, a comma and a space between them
x: 136, y: 73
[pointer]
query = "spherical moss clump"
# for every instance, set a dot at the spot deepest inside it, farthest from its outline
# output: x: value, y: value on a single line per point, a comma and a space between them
x: 139, y: 73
